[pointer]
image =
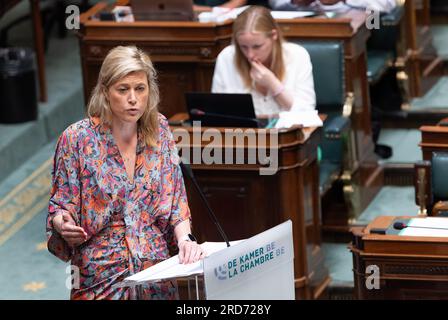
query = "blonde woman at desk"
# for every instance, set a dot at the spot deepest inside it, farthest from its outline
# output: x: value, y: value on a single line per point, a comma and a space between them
x: 378, y: 5
x: 277, y: 74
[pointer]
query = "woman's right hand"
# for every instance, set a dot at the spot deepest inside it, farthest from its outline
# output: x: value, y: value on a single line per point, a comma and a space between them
x: 69, y: 231
x: 264, y: 77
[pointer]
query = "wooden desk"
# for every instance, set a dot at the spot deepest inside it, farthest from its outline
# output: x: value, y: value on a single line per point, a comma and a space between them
x: 409, y: 267
x: 184, y: 54
x: 247, y: 203
x: 434, y: 138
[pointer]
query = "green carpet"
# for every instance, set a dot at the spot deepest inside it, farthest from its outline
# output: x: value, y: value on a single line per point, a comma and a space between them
x: 435, y: 99
x: 338, y: 260
x: 390, y: 201
x: 440, y: 34
x: 404, y: 143
x: 28, y: 270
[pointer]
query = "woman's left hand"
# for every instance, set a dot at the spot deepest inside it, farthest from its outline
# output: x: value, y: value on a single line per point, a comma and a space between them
x: 190, y: 251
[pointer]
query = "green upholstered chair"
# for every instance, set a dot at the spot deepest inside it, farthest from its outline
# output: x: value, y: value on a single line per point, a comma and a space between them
x: 386, y: 75
x: 382, y: 44
x: 431, y: 185
x: 327, y: 58
x: 385, y: 68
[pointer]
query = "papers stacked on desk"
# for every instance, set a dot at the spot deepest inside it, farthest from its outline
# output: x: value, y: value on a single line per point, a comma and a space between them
x: 292, y: 14
x: 426, y: 227
x: 219, y: 14
x: 171, y: 268
x: 306, y: 118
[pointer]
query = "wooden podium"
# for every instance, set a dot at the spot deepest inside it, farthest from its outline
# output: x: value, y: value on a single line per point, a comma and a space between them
x: 247, y: 203
x: 434, y: 139
x: 409, y: 267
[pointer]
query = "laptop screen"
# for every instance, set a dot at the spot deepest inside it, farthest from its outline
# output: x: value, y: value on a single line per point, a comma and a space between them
x: 222, y: 110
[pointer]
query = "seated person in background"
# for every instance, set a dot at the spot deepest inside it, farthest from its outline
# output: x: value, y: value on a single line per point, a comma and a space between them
x: 206, y: 5
x: 278, y: 74
x: 378, y: 5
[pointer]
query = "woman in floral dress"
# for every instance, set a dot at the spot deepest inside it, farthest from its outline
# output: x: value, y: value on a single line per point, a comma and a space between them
x: 118, y: 201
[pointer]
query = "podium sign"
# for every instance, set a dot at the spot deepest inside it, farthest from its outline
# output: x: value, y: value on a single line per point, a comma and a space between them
x: 260, y: 267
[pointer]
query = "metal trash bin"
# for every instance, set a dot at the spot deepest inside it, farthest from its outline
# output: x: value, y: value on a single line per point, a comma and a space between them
x: 18, y: 86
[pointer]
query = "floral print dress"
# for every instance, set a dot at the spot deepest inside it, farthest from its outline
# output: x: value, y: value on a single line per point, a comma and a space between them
x: 129, y: 224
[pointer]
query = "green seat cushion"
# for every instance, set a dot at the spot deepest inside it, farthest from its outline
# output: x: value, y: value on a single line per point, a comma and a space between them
x: 440, y: 175
x: 377, y: 63
x: 327, y: 172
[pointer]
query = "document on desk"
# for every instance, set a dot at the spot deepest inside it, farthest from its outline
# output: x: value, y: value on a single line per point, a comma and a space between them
x: 306, y: 118
x: 220, y: 14
x: 292, y: 14
x: 171, y: 268
x: 426, y: 227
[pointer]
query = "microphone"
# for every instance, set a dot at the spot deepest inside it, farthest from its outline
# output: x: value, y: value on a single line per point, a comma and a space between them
x: 186, y: 169
x: 199, y: 112
x: 401, y: 226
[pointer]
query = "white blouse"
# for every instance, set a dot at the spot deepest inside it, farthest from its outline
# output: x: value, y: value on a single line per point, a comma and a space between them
x: 377, y: 5
x: 298, y: 80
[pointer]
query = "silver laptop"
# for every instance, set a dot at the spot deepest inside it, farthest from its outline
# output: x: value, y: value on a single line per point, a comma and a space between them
x: 163, y: 10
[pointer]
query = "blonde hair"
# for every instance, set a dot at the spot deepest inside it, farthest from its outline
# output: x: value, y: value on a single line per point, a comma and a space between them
x: 257, y: 19
x: 120, y: 62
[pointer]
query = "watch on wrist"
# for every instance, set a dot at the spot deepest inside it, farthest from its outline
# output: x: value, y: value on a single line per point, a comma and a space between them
x: 188, y: 237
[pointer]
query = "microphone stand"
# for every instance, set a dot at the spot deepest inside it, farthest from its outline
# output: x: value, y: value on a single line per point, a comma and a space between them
x: 187, y: 170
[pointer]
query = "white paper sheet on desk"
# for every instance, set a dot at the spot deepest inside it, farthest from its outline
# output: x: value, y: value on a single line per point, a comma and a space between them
x: 219, y: 14
x: 171, y: 268
x: 426, y: 227
x: 306, y: 118
x: 429, y: 222
x: 416, y: 232
x: 337, y: 7
x: 291, y: 14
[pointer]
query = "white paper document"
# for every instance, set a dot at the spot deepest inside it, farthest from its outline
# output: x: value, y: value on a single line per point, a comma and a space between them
x: 308, y: 118
x: 415, y: 232
x: 171, y: 268
x: 426, y: 227
x: 429, y: 222
x: 219, y: 14
x: 291, y: 14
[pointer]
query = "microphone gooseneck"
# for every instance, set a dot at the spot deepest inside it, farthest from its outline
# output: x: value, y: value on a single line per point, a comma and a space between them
x: 186, y: 169
x: 401, y: 226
